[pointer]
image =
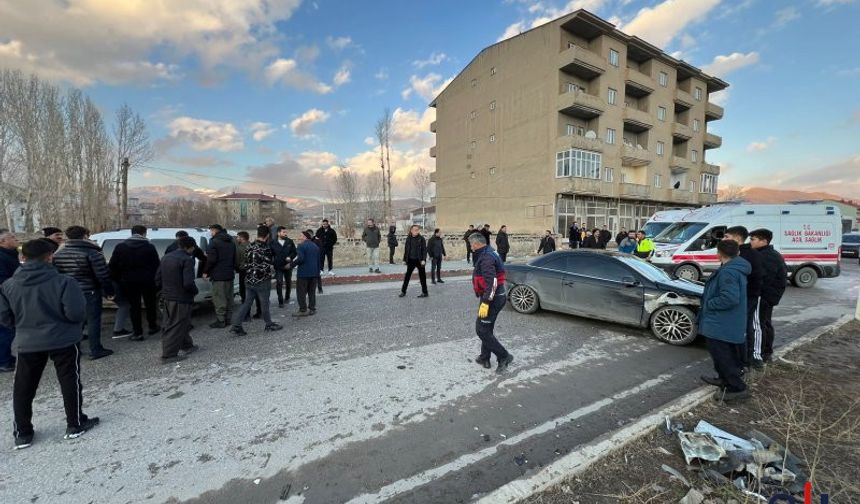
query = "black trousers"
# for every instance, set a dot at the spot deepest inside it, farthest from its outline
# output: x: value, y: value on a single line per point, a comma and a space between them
x: 468, y: 252
x: 484, y: 327
x: 747, y: 349
x: 176, y: 334
x: 283, y: 284
x: 305, y: 290
x: 436, y: 269
x: 727, y: 363
x: 391, y: 254
x: 504, y: 256
x: 243, y: 290
x: 28, y: 373
x: 412, y: 265
x: 136, y: 292
x: 328, y: 255
x: 763, y: 333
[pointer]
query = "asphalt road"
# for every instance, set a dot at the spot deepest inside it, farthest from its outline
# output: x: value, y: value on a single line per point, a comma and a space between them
x: 376, y: 398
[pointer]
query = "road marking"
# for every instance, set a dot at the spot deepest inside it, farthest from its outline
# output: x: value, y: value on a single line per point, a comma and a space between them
x: 424, y: 477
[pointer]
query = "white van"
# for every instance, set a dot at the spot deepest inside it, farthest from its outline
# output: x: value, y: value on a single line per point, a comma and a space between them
x: 663, y: 219
x: 808, y: 235
x: 161, y: 238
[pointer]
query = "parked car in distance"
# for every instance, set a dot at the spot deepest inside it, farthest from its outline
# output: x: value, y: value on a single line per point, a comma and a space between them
x: 851, y: 245
x: 610, y: 286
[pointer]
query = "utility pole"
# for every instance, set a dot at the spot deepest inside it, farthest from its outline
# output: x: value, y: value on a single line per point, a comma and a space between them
x: 123, y: 210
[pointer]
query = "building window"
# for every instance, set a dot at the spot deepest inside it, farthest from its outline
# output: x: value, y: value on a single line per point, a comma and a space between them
x: 570, y: 129
x: 664, y: 79
x: 578, y: 163
x: 610, y: 136
x: 698, y: 94
x: 660, y: 148
x: 493, y: 105
x: 692, y: 186
x: 473, y: 114
x: 623, y: 178
x: 613, y: 57
x: 474, y: 82
x: 661, y: 113
x: 493, y: 170
x: 694, y: 155
x: 492, y: 137
x: 493, y: 71
x: 658, y: 181
x: 608, y: 174
x: 709, y: 183
x: 474, y: 144
x: 695, y: 125
x: 611, y: 96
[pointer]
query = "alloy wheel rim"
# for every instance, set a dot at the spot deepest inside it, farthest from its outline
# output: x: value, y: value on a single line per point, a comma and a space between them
x: 523, y: 298
x: 673, y: 325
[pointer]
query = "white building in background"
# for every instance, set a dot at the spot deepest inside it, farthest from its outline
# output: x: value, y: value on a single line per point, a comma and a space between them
x: 424, y: 217
x: 15, y: 206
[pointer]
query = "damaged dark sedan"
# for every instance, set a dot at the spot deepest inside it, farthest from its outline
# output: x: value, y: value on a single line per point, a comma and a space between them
x: 608, y: 286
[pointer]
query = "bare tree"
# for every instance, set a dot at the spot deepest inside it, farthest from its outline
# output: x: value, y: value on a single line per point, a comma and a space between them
x: 133, y: 148
x: 421, y: 181
x: 346, y: 196
x: 371, y: 197
x: 386, y: 180
x: 732, y: 192
x: 381, y: 137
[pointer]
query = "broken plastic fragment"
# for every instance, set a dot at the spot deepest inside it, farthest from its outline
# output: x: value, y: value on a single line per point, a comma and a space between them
x: 692, y: 497
x: 674, y: 472
x: 726, y: 440
x: 700, y: 446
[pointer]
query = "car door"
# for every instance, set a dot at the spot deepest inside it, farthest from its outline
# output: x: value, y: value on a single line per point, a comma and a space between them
x: 600, y: 287
x: 546, y: 278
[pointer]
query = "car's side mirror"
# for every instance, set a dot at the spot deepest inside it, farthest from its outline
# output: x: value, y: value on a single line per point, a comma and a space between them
x: 629, y: 282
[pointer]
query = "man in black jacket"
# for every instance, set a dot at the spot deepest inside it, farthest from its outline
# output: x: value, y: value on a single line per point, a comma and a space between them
x: 46, y: 310
x: 8, y: 264
x: 502, y: 244
x: 485, y: 231
x: 133, y: 265
x: 604, y: 237
x: 547, y: 243
x: 739, y: 235
x: 328, y: 238
x: 198, y: 252
x: 466, y: 236
x: 83, y: 260
x: 392, y: 243
x: 175, y: 278
x: 371, y: 236
x: 415, y: 257
x: 220, y: 270
x: 284, y: 251
x: 436, y: 251
x: 774, y: 277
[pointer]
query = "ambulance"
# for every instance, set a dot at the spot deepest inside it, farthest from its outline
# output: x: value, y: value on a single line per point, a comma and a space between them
x: 663, y: 219
x: 808, y: 235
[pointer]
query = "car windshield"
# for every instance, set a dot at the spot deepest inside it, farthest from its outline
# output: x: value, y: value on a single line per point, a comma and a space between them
x: 680, y: 232
x: 645, y: 268
x: 653, y: 229
x: 851, y: 239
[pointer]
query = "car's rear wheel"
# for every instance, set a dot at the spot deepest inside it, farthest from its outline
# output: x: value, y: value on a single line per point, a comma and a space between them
x: 805, y: 277
x: 688, y: 272
x: 674, y: 324
x: 524, y: 299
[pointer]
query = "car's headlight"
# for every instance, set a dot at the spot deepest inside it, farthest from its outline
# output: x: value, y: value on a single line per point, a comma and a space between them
x: 665, y: 253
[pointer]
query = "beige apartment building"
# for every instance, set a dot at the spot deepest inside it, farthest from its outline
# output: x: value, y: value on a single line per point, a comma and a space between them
x: 573, y: 120
x: 246, y: 210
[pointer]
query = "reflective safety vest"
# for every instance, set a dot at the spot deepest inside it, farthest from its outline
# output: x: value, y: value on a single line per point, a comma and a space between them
x: 645, y: 248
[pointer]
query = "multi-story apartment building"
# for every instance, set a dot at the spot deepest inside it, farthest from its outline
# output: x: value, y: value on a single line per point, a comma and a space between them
x: 249, y: 209
x: 573, y: 120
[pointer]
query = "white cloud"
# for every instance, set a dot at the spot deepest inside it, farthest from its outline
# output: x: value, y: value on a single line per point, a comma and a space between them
x: 318, y: 160
x: 544, y: 14
x: 342, y: 76
x: 434, y: 59
x: 302, y: 125
x: 761, y: 146
x: 105, y: 41
x: 202, y: 135
x: 372, y: 141
x: 261, y: 130
x: 724, y: 65
x: 660, y: 24
x: 513, y: 30
x: 382, y: 74
x: 286, y: 72
x: 785, y: 16
x: 338, y: 43
x: 719, y: 97
x: 427, y: 87
x: 831, y: 3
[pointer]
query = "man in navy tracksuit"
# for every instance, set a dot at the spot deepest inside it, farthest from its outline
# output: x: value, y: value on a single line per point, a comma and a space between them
x: 775, y: 275
x: 740, y: 234
x: 488, y: 281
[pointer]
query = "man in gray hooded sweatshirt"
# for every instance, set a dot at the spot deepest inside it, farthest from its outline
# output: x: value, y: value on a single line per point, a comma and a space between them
x: 47, y: 311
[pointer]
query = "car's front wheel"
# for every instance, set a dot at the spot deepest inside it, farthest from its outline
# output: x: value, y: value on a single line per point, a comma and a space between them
x: 674, y: 324
x: 524, y: 299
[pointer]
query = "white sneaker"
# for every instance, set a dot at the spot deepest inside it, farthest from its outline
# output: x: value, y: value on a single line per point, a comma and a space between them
x: 330, y: 273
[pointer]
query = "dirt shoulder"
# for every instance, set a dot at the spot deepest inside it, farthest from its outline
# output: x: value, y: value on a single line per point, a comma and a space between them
x: 809, y: 402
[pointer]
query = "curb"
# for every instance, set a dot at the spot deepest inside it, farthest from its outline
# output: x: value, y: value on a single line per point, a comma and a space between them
x: 381, y: 277
x: 586, y: 455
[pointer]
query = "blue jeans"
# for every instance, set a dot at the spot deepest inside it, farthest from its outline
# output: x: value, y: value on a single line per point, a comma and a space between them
x: 6, y: 337
x: 94, y: 319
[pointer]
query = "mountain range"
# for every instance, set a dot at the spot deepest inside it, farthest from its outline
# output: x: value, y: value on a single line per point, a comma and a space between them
x: 762, y: 195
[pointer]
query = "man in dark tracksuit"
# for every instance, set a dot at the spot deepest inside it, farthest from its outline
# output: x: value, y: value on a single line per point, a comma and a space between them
x: 175, y: 278
x: 503, y: 246
x: 466, y: 236
x: 392, y: 243
x: 436, y: 251
x: 774, y: 277
x: 220, y: 270
x: 739, y: 235
x: 133, y: 265
x: 488, y: 281
x: 83, y: 260
x: 307, y: 259
x: 46, y: 310
x: 284, y: 251
x: 415, y: 257
x: 328, y: 239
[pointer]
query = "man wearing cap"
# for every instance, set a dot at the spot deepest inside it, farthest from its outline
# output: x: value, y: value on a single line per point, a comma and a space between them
x: 220, y: 270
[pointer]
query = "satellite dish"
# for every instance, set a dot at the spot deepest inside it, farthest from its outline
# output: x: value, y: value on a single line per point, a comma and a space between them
x: 639, y: 146
x: 590, y: 134
x: 677, y: 184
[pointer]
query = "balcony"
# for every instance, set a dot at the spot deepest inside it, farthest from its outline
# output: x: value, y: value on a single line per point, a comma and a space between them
x: 681, y: 164
x: 635, y: 157
x: 590, y: 186
x: 637, y: 119
x: 636, y: 191
x: 713, y: 112
x: 683, y: 100
x: 638, y: 84
x: 567, y: 142
x: 582, y: 63
x: 432, y: 176
x: 433, y: 127
x: 713, y: 141
x: 711, y: 168
x: 680, y: 196
x: 707, y: 198
x: 433, y: 151
x: 682, y: 131
x: 581, y: 105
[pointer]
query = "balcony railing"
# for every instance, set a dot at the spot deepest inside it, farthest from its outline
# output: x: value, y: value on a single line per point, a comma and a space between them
x: 580, y: 104
x: 566, y: 142
x: 433, y: 151
x: 581, y: 62
x: 713, y: 112
x: 639, y: 84
x: 634, y: 156
x: 681, y: 195
x: 681, y: 163
x: 635, y: 191
x: 639, y: 119
x: 684, y: 99
x: 579, y: 185
x: 433, y: 127
x: 682, y: 131
x: 713, y: 141
x: 707, y: 198
x: 711, y: 168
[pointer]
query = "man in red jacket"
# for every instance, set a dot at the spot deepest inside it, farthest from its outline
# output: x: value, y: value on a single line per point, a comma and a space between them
x: 488, y: 281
